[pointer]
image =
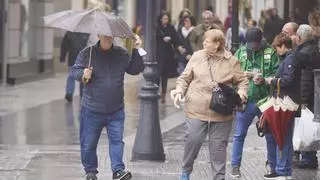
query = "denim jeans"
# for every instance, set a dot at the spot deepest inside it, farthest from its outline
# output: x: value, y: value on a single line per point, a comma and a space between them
x: 70, y: 86
x: 243, y: 121
x: 282, y: 165
x: 91, y: 125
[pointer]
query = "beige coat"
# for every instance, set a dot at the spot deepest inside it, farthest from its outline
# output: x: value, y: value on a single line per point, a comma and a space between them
x: 196, y: 84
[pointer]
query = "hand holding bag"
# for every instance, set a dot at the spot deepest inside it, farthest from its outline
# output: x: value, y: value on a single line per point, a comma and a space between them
x: 224, y: 98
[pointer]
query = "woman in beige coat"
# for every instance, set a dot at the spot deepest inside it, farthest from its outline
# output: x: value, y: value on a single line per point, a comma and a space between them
x: 195, y: 85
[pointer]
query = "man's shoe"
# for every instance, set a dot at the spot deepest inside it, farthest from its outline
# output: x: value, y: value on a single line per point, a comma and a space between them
x: 236, y: 172
x: 274, y: 176
x: 122, y: 175
x: 185, y: 176
x: 68, y: 97
x: 91, y: 176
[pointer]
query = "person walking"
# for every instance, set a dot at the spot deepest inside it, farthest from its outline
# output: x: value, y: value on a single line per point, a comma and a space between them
x: 208, y: 22
x: 72, y: 43
x: 102, y: 104
x: 167, y: 44
x: 307, y: 53
x: 289, y: 76
x: 257, y: 61
x: 185, y: 49
x: 273, y: 25
x: 205, y: 70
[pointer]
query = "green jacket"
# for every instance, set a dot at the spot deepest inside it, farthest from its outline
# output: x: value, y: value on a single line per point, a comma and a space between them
x: 266, y: 62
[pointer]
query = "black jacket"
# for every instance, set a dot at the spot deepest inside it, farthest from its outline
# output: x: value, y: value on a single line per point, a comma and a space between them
x: 72, y: 43
x: 165, y: 51
x: 272, y: 27
x: 309, y: 57
x: 185, y: 43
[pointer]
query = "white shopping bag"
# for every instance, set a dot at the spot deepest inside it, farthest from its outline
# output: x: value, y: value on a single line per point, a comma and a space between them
x: 306, y: 136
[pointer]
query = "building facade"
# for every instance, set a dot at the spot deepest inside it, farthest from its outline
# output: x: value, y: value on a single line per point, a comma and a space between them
x: 26, y: 45
x: 29, y: 51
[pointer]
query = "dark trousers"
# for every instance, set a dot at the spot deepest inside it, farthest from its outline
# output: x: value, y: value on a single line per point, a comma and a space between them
x: 164, y: 83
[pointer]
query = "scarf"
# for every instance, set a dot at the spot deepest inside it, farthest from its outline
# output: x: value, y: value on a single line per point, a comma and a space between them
x: 185, y: 32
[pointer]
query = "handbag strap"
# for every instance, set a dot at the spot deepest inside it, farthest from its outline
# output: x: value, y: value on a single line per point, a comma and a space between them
x: 210, y: 71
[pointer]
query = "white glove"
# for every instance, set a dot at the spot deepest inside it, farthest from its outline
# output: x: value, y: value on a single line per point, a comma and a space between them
x: 177, y: 97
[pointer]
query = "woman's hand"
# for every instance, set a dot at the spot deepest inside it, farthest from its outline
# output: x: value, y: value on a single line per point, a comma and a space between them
x: 188, y: 57
x: 181, y: 50
x: 177, y: 97
x: 243, y: 97
x: 268, y: 80
x: 167, y: 39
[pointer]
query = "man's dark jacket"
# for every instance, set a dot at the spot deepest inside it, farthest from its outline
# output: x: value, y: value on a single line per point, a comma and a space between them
x: 104, y: 93
x: 72, y: 43
x: 308, y: 56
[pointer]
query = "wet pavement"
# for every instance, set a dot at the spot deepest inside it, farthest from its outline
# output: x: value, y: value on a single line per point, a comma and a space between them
x: 39, y: 130
x: 39, y: 138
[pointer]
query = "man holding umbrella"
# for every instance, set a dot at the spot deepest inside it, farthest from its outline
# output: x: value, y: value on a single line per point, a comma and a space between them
x: 102, y: 104
x: 101, y: 68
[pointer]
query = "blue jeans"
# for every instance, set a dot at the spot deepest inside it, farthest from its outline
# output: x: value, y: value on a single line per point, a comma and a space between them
x: 70, y: 86
x: 243, y: 121
x: 282, y: 165
x: 91, y: 125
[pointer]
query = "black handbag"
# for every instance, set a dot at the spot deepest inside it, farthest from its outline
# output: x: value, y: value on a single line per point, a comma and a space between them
x: 224, y: 98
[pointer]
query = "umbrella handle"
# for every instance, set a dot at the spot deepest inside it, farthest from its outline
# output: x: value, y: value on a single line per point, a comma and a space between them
x: 89, y: 65
x: 278, y: 87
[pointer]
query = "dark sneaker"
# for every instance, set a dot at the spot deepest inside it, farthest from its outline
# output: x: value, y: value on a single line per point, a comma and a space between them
x: 68, y: 97
x: 274, y: 176
x: 236, y: 172
x: 91, y: 176
x: 122, y: 175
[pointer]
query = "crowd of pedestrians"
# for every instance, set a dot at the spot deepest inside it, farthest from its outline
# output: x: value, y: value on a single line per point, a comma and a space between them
x: 271, y: 53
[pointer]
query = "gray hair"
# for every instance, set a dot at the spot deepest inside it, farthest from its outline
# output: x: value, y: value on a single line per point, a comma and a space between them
x: 207, y: 12
x: 305, y: 32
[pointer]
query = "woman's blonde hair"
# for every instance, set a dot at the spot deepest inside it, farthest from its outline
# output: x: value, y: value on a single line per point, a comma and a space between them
x: 99, y: 4
x: 216, y: 35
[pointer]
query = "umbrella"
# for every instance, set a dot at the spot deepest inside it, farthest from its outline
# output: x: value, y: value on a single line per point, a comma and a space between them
x: 90, y: 21
x: 277, y: 112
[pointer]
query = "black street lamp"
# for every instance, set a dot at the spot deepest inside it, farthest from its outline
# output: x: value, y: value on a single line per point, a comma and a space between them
x: 317, y: 95
x: 235, y: 26
x: 148, y: 142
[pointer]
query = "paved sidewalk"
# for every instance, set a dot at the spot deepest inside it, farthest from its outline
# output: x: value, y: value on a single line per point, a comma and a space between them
x: 37, y: 141
x: 64, y: 162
